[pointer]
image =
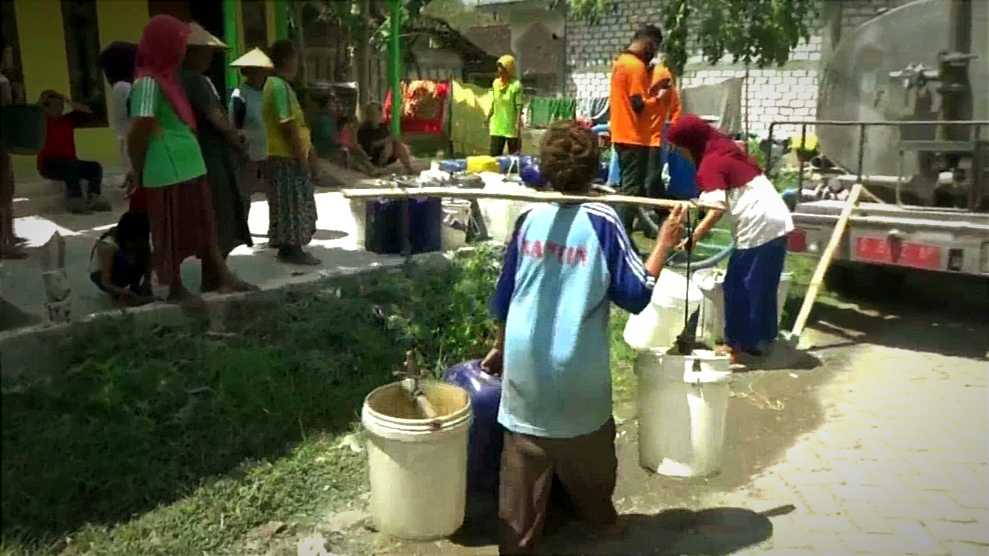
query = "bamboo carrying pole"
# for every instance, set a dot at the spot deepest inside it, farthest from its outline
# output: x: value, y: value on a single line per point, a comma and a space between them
x: 529, y: 196
x: 824, y: 263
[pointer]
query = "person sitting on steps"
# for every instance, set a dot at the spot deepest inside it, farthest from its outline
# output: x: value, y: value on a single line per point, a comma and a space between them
x: 57, y: 159
x: 332, y: 137
x: 123, y: 256
x: 375, y: 139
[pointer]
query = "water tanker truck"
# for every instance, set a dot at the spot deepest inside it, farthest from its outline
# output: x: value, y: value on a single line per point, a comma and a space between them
x: 911, y: 123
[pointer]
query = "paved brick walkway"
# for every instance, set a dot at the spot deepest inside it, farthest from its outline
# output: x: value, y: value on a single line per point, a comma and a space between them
x: 900, y: 467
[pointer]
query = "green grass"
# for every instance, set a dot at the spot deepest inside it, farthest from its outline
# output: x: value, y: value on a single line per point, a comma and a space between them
x: 168, y: 441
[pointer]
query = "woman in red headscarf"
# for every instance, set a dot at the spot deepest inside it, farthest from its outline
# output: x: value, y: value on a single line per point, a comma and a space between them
x: 168, y: 164
x: 732, y: 184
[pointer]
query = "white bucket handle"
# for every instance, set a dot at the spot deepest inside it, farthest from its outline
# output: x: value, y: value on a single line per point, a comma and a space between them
x: 516, y: 163
x: 697, y: 374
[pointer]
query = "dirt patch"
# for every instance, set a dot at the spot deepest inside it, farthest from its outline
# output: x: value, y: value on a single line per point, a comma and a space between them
x: 767, y: 413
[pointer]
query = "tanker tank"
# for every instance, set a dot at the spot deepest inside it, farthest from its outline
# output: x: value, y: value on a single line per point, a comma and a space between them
x: 856, y: 85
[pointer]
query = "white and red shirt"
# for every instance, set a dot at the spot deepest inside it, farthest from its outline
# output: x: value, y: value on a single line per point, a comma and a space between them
x: 756, y: 210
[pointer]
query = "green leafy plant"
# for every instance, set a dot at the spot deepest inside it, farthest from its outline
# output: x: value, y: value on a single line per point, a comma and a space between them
x: 144, y: 416
x: 760, y: 33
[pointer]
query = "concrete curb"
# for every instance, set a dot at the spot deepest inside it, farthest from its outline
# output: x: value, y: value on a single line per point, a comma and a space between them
x: 41, y: 348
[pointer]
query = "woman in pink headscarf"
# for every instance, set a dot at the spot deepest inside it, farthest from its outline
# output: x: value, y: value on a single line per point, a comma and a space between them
x: 167, y: 163
x: 734, y: 185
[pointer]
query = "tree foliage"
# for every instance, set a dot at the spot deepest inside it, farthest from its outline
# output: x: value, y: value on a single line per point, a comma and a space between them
x: 761, y: 33
x: 376, y: 23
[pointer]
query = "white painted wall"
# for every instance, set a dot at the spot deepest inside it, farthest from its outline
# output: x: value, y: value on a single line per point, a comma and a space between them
x: 786, y: 93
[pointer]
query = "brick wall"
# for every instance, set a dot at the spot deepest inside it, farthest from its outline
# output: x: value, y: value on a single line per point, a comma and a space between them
x: 787, y: 93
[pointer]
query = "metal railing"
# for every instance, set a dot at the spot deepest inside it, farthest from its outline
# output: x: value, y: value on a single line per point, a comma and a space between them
x: 976, y: 130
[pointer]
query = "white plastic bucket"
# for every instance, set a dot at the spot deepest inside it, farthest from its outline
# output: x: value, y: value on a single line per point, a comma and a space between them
x: 658, y: 326
x: 711, y: 321
x: 417, y: 467
x: 500, y: 214
x: 683, y: 404
x: 456, y: 219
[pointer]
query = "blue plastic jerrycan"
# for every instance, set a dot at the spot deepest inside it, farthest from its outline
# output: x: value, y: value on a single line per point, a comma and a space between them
x: 486, y: 436
x: 683, y: 174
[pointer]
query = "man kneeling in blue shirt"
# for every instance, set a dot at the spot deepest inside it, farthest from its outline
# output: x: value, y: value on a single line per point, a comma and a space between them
x: 563, y: 265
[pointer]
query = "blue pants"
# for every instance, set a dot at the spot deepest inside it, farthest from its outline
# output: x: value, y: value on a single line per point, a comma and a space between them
x: 750, y: 287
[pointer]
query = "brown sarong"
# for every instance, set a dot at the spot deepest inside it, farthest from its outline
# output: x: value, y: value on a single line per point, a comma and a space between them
x: 586, y: 466
x: 182, y: 225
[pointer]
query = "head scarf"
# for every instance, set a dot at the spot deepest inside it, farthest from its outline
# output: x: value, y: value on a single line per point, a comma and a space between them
x: 159, y: 56
x: 508, y: 62
x: 118, y: 60
x: 721, y: 164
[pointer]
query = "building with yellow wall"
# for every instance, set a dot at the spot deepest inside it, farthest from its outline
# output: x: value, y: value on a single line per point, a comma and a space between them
x: 57, y: 43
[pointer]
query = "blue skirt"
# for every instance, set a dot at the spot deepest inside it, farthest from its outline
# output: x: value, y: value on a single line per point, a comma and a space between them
x: 750, y: 287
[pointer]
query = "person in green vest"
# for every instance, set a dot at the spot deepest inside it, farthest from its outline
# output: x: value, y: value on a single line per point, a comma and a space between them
x: 505, y: 118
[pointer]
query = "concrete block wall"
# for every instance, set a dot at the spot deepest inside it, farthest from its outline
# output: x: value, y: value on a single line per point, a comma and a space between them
x: 785, y: 93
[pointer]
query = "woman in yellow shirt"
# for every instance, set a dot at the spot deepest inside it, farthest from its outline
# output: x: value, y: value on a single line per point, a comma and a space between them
x: 291, y: 193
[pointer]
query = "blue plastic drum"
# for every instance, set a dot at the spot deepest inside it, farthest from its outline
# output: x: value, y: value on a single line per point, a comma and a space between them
x: 486, y: 436
x: 533, y: 177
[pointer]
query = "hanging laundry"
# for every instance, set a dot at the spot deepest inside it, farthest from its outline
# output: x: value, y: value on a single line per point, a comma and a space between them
x: 423, y: 106
x: 546, y: 110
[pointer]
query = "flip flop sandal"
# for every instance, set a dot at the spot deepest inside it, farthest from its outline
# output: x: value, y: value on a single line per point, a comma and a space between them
x: 301, y: 259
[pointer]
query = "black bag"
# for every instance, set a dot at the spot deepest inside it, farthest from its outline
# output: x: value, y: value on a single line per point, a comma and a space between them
x: 25, y: 127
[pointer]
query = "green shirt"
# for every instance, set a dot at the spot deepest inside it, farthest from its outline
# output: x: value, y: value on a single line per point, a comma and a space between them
x: 173, y: 154
x: 280, y: 105
x: 506, y: 107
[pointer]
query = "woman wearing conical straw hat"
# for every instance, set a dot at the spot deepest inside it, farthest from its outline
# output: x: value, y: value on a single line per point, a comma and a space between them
x: 245, y: 110
x: 222, y: 146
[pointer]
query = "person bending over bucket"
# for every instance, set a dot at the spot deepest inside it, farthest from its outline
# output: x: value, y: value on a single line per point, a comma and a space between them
x: 563, y: 265
x: 732, y: 183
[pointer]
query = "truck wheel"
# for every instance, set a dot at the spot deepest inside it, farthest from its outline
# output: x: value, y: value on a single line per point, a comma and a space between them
x: 840, y: 278
x: 865, y: 281
x: 889, y: 282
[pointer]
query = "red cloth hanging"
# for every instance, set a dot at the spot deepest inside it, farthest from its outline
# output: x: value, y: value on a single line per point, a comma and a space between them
x: 412, y: 123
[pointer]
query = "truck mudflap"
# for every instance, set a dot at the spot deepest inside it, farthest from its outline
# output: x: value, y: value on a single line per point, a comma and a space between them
x: 940, y: 240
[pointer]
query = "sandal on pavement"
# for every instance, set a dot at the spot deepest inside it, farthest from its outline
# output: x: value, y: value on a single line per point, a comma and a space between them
x: 300, y: 258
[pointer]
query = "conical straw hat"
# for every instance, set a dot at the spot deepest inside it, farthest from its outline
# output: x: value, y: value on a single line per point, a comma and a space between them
x: 202, y: 37
x: 253, y: 59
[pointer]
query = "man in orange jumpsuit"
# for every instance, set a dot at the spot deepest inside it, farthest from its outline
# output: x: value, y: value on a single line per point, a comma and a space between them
x: 632, y: 100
